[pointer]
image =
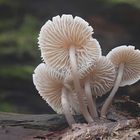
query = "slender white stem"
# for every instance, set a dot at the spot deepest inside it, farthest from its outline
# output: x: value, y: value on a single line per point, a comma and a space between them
x: 90, y: 100
x: 114, y: 90
x: 66, y: 107
x: 78, y: 88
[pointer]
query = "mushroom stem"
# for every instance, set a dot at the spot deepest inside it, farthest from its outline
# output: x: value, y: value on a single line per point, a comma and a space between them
x: 90, y: 100
x: 114, y: 90
x: 78, y: 88
x: 66, y: 107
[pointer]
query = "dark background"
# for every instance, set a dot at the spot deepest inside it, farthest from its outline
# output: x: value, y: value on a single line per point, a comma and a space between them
x: 115, y: 22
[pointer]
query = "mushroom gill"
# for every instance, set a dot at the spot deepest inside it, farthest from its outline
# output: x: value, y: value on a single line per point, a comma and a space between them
x: 67, y: 43
x: 99, y: 81
x: 53, y: 90
x: 127, y: 62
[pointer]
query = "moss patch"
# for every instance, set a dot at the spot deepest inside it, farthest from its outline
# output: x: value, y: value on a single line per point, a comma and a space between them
x: 6, y: 107
x: 21, y: 40
x: 135, y: 3
x: 20, y: 72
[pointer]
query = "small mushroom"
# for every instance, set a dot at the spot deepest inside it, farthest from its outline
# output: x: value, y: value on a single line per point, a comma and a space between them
x: 127, y: 62
x: 67, y: 43
x: 99, y: 81
x: 54, y: 91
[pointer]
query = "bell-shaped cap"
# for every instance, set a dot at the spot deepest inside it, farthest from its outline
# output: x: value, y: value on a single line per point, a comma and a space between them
x: 58, y: 35
x: 50, y: 87
x: 101, y: 76
x: 130, y: 57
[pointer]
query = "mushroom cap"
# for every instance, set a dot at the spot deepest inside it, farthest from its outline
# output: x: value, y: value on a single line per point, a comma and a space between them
x: 58, y: 35
x: 101, y: 76
x: 131, y: 60
x: 50, y: 88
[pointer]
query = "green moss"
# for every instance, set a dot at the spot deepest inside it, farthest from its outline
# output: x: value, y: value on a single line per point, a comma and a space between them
x: 135, y: 3
x: 20, y: 72
x: 27, y: 37
x: 13, y: 3
x: 7, y: 51
x: 6, y: 24
x: 22, y: 40
x: 5, y: 107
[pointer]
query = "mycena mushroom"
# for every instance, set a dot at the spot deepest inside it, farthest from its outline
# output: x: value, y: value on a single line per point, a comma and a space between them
x: 127, y: 62
x: 99, y: 80
x: 67, y: 43
x: 53, y: 90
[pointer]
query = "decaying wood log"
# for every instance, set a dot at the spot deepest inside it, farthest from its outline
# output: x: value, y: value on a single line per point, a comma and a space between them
x: 121, y: 130
x: 27, y: 126
x: 120, y: 125
x: 43, y: 122
x: 55, y: 127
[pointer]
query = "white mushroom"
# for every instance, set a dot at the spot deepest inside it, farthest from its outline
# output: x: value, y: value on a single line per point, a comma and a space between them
x: 99, y: 81
x: 66, y: 43
x: 127, y: 62
x: 54, y: 91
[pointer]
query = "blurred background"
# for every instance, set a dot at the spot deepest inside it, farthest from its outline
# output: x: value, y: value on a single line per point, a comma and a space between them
x: 115, y: 22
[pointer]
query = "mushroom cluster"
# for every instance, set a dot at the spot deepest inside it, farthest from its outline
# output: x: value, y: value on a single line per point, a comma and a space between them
x: 74, y: 73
